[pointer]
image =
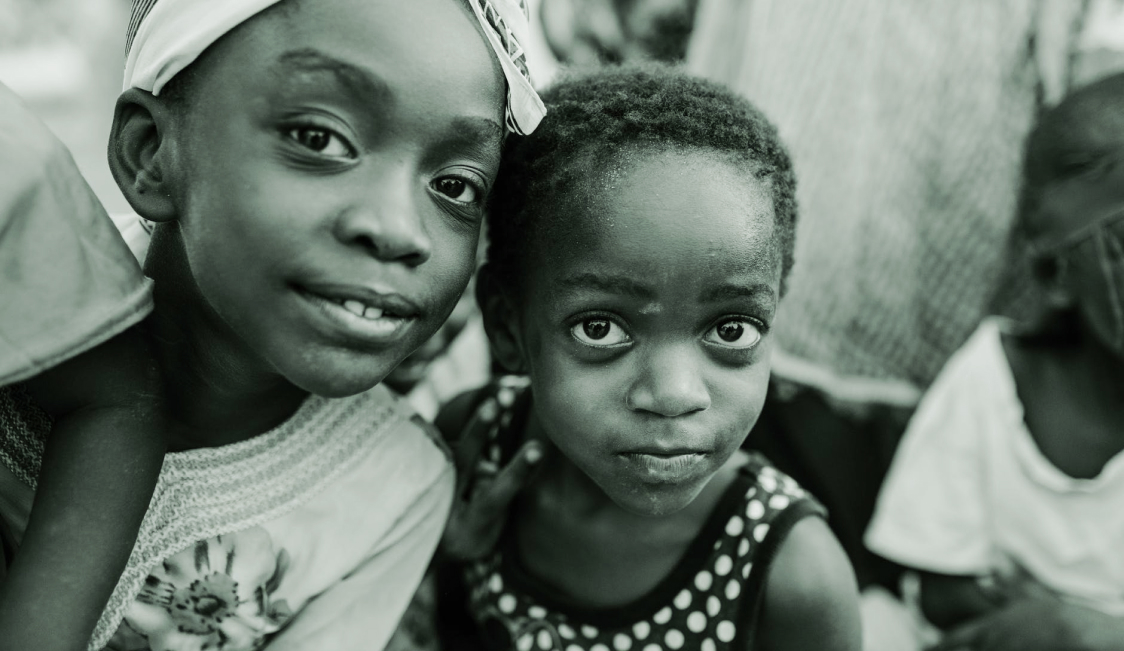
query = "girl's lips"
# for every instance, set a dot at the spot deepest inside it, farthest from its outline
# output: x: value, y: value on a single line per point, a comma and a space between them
x: 666, y: 468
x: 365, y: 323
x: 362, y: 300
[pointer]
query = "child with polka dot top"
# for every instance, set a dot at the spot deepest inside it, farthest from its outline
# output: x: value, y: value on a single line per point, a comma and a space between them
x: 639, y: 241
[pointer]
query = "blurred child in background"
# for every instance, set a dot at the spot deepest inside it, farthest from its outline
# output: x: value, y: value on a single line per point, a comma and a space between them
x: 1007, y: 493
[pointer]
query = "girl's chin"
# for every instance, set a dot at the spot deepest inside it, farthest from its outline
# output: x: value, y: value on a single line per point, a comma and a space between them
x: 343, y: 381
x: 657, y: 501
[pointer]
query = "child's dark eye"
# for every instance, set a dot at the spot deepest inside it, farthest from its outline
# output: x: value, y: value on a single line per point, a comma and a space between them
x: 321, y: 141
x: 735, y: 333
x: 456, y: 189
x: 599, y: 332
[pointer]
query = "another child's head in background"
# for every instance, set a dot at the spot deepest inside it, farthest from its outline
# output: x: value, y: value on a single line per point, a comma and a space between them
x: 638, y: 243
x: 1071, y: 212
x: 317, y: 174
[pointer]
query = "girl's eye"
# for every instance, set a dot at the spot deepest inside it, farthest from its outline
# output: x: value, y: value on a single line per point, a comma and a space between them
x: 599, y: 332
x: 321, y: 141
x: 734, y: 333
x: 456, y: 189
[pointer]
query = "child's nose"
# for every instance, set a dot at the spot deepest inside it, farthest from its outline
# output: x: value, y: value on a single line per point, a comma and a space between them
x: 670, y: 383
x: 386, y: 221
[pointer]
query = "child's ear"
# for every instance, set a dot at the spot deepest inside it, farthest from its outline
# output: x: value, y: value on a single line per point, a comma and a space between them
x: 1050, y: 273
x: 501, y: 321
x: 139, y: 155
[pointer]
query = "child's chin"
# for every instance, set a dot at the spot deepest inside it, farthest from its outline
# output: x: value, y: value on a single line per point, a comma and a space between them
x: 341, y: 382
x: 658, y: 501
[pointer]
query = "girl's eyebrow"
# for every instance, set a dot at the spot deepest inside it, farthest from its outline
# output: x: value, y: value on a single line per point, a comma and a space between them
x: 728, y: 291
x: 360, y: 83
x: 478, y: 131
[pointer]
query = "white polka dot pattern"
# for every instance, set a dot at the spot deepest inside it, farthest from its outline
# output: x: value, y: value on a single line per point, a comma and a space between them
x: 683, y: 599
x: 641, y: 630
x: 726, y: 631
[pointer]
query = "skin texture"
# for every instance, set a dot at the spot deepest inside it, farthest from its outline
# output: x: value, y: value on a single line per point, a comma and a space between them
x: 100, y: 465
x: 322, y: 150
x: 645, y: 327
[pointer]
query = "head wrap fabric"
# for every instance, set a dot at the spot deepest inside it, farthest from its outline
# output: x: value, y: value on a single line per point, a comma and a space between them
x: 166, y: 36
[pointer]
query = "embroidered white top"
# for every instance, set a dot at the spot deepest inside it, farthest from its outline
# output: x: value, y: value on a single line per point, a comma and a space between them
x: 311, y: 536
x: 969, y: 490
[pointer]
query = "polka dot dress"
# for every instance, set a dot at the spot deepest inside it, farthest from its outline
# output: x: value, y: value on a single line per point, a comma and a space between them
x: 708, y: 602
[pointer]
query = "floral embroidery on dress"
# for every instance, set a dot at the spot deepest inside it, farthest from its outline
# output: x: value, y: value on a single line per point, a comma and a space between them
x: 215, y: 595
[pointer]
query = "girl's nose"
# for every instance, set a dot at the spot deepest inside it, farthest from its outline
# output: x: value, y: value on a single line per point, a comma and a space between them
x: 386, y: 221
x: 669, y: 384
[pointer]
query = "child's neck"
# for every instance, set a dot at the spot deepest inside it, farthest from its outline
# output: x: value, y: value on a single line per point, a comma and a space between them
x: 1094, y: 369
x: 1071, y: 394
x: 218, y: 392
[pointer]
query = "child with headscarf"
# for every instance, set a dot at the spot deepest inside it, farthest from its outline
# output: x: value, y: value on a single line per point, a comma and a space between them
x: 316, y: 173
x: 76, y: 367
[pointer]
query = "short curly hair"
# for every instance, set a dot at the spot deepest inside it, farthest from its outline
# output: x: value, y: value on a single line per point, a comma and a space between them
x: 595, y: 118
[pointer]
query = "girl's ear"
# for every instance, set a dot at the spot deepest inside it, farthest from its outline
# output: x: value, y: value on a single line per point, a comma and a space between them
x: 501, y: 321
x: 1051, y: 273
x: 139, y: 153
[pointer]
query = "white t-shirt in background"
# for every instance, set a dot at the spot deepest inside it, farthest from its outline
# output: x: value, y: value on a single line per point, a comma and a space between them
x: 969, y: 491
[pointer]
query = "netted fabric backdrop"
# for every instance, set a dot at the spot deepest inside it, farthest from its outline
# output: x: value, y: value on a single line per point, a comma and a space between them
x: 905, y: 119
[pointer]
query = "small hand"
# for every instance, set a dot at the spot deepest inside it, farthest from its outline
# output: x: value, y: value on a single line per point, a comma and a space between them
x: 1035, y: 624
x: 1013, y: 583
x: 484, y: 492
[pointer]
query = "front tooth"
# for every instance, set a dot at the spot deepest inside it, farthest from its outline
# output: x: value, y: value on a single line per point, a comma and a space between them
x: 372, y: 313
x: 355, y: 307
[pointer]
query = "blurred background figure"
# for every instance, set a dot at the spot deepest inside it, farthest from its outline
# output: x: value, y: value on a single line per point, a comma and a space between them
x: 64, y: 58
x: 588, y: 32
x: 906, y: 119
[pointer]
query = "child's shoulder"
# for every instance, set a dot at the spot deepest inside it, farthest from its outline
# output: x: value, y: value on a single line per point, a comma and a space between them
x: 770, y: 506
x: 807, y: 589
x: 71, y: 283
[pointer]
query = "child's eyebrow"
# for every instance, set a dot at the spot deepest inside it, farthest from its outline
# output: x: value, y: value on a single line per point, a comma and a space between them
x: 477, y: 131
x: 360, y: 83
x: 728, y: 291
x: 607, y: 284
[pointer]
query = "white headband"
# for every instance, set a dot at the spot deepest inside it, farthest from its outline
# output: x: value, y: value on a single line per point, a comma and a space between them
x: 165, y: 36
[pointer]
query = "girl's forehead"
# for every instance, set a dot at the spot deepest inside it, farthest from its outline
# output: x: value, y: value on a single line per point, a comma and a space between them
x: 410, y: 60
x: 662, y: 208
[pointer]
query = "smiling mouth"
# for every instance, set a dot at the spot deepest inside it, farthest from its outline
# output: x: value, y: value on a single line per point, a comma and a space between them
x: 360, y: 314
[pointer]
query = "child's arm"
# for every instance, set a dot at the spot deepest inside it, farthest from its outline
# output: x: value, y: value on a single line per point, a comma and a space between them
x: 947, y: 600
x: 100, y: 466
x: 811, y: 600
